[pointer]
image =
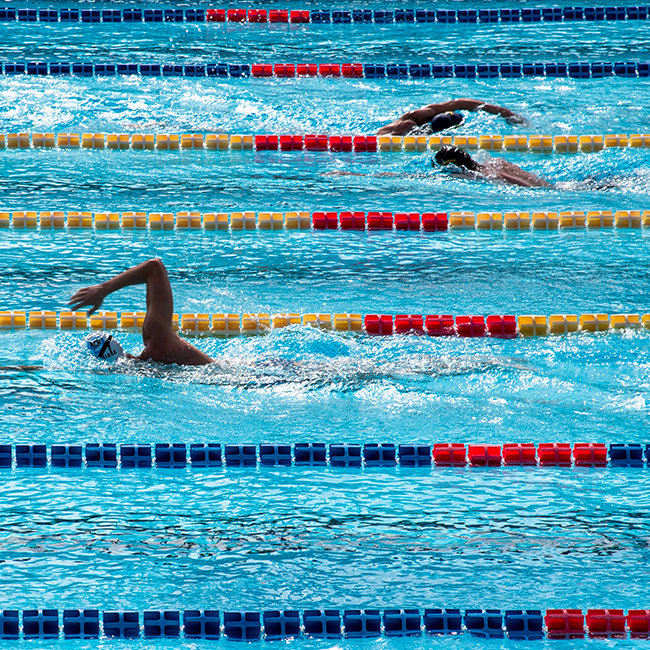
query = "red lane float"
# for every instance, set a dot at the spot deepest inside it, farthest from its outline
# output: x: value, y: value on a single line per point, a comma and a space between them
x: 565, y: 623
x: 638, y: 622
x: 278, y: 16
x: 605, y: 622
x: 365, y: 143
x: 379, y: 220
x: 262, y: 70
x: 379, y: 324
x: 433, y: 221
x: 291, y: 143
x: 403, y: 221
x: 589, y: 454
x: 519, y: 454
x: 299, y: 16
x: 257, y: 15
x: 470, y: 326
x: 352, y: 70
x: 502, y: 327
x: 484, y: 455
x: 325, y: 220
x: 329, y: 70
x: 236, y: 15
x: 341, y: 143
x: 440, y: 325
x: 266, y: 142
x: 307, y: 69
x: 353, y: 221
x: 285, y: 70
x: 409, y: 324
x: 316, y: 142
x: 407, y: 221
x: 554, y: 453
x: 449, y: 454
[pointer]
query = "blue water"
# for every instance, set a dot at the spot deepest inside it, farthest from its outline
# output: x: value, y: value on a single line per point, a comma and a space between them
x: 265, y: 538
x: 343, y: 387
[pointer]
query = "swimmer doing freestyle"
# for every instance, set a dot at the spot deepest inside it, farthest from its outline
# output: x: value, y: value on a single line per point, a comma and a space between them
x: 442, y: 116
x: 161, y: 342
x: 492, y: 169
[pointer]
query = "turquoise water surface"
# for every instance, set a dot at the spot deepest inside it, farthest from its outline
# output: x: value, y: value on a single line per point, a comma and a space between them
x: 274, y: 538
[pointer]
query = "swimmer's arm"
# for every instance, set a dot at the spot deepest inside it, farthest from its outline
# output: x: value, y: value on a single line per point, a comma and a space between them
x: 468, y: 174
x: 152, y: 273
x: 421, y: 116
x: 342, y: 173
x: 466, y: 104
x: 524, y: 180
x: 345, y: 173
x: 413, y: 119
x: 21, y: 368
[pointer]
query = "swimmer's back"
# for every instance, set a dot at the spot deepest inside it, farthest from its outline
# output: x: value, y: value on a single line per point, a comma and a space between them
x: 511, y: 173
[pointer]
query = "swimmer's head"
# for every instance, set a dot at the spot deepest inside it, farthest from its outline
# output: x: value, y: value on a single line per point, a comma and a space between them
x: 104, y: 346
x: 455, y: 156
x: 445, y: 121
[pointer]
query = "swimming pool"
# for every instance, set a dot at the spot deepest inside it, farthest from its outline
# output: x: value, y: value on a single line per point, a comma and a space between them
x: 262, y: 538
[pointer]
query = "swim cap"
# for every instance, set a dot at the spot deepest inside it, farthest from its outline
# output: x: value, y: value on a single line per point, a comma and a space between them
x: 455, y: 155
x: 445, y: 121
x: 104, y: 346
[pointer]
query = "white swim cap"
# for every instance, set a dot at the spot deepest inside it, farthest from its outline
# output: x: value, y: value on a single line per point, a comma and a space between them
x: 104, y: 346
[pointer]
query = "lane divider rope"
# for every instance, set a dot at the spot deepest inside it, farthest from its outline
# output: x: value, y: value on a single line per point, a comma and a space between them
x: 496, y: 326
x: 323, y: 16
x: 360, y: 221
x: 322, y: 142
x: 511, y: 70
x: 216, y: 455
x: 504, y: 326
x: 242, y: 625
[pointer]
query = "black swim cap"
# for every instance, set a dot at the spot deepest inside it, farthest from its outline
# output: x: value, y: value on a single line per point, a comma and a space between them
x: 455, y: 155
x: 445, y: 121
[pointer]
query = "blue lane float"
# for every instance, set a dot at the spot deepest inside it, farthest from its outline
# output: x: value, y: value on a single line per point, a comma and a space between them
x: 393, y: 71
x: 325, y: 16
x: 274, y: 625
x: 313, y: 454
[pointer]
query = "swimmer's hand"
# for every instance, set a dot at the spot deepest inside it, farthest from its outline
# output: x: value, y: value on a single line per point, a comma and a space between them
x: 515, y: 118
x: 92, y: 297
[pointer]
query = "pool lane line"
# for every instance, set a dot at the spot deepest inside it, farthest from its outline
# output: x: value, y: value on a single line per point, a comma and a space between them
x: 345, y: 220
x: 351, y: 70
x: 368, y: 455
x: 342, y: 16
x: 496, y: 326
x: 330, y: 623
x: 546, y: 144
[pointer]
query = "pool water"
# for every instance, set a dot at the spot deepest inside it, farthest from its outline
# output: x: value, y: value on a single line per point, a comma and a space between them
x: 298, y: 538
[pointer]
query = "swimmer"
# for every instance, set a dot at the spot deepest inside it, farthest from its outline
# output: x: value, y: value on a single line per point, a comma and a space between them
x: 492, y: 169
x: 161, y: 342
x: 440, y: 117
